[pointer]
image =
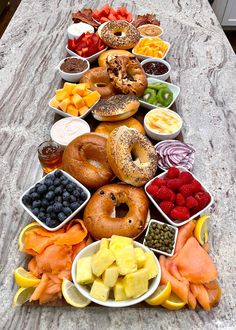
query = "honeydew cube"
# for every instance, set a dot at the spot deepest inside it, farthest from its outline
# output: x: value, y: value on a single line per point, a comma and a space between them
x: 101, y: 261
x: 72, y: 110
x: 125, y: 260
x: 110, y: 275
x: 63, y: 105
x: 118, y: 242
x: 83, y: 110
x: 81, y: 89
x: 136, y: 284
x: 54, y: 103
x: 151, y: 265
x: 104, y: 243
x: 84, y: 273
x: 119, y: 291
x: 99, y: 290
x: 91, y: 98
x: 140, y: 257
x: 78, y: 101
x: 61, y: 94
x: 68, y: 87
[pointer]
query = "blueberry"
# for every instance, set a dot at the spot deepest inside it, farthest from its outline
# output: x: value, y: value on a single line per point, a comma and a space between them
x: 50, y: 195
x: 67, y: 211
x: 32, y: 190
x: 66, y: 196
x: 80, y: 189
x: 58, y: 190
x: 57, y: 182
x: 42, y: 209
x: 74, y: 206
x: 52, y: 223
x: 65, y: 203
x: 83, y: 196
x: 58, y: 199
x: 26, y: 200
x: 49, y: 209
x: 76, y: 193
x: 62, y: 178
x: 73, y: 198
x: 45, y: 202
x: 51, y: 188
x: 42, y: 189
x: 53, y: 215
x: 61, y: 216
x: 34, y: 196
x: 58, y: 173
x: 36, y: 203
x: 42, y: 216
x: 57, y: 207
x: 65, y: 182
x: 69, y: 187
x: 35, y: 211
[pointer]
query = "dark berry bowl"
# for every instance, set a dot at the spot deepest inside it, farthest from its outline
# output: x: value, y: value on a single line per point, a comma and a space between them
x: 192, y: 214
x: 55, y: 199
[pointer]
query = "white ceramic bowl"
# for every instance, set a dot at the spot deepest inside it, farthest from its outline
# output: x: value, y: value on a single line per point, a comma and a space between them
x: 70, y: 216
x: 75, y: 30
x: 162, y: 136
x: 164, y: 76
x: 72, y: 77
x: 145, y: 25
x: 178, y: 224
x: 160, y: 251
x: 85, y: 290
x: 144, y: 57
x: 91, y: 58
x: 174, y: 89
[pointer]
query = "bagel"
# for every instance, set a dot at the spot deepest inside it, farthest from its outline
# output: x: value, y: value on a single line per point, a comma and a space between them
x: 85, y: 159
x: 119, y: 34
x: 126, y: 74
x: 111, y: 52
x: 116, y: 108
x: 98, y: 80
x: 131, y: 156
x: 100, y: 218
x: 107, y: 127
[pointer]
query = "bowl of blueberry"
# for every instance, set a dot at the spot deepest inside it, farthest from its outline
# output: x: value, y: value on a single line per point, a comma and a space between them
x: 55, y: 199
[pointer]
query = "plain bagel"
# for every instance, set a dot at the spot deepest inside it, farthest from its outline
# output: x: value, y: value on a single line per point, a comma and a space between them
x: 107, y: 127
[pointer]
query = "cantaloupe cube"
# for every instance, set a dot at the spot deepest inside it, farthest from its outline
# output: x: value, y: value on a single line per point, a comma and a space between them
x: 101, y: 261
x: 72, y: 110
x: 110, y: 275
x: 140, y: 257
x: 151, y: 265
x: 118, y: 242
x: 136, y: 284
x: 81, y: 89
x: 68, y: 87
x: 91, y: 98
x: 125, y: 260
x: 83, y: 110
x: 78, y: 101
x: 54, y: 103
x: 99, y: 290
x: 119, y: 292
x: 104, y: 243
x: 61, y: 94
x: 84, y: 273
x: 63, y: 105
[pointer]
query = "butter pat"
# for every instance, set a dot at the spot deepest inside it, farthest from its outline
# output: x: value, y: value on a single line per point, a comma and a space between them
x: 99, y: 290
x: 84, y: 271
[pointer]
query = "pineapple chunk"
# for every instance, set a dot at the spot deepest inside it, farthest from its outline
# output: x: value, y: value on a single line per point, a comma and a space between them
x: 151, y: 265
x: 136, y: 284
x: 110, y: 275
x: 101, y: 261
x: 99, y: 290
x: 83, y: 110
x: 125, y: 259
x: 72, y: 110
x: 81, y: 89
x: 91, y: 98
x: 140, y: 257
x: 104, y: 243
x: 61, y: 95
x: 54, y: 103
x: 68, y: 87
x: 63, y: 105
x: 78, y: 101
x: 118, y: 242
x: 119, y: 292
x: 84, y: 273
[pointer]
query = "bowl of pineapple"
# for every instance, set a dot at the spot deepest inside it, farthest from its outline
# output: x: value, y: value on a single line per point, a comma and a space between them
x: 116, y: 272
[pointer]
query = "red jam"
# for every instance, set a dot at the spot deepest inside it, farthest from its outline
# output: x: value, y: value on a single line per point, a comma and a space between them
x: 155, y: 68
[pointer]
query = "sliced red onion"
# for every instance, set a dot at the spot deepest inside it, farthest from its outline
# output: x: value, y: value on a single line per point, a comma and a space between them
x: 175, y: 153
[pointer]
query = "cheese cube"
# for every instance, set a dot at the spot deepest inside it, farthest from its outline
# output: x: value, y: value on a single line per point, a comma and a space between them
x: 110, y: 275
x: 151, y: 265
x: 78, y: 101
x: 72, y: 110
x: 136, y: 284
x: 119, y: 292
x: 91, y: 98
x: 81, y: 89
x: 54, y: 103
x: 104, y: 243
x: 61, y: 95
x: 68, y: 87
x: 140, y: 257
x: 63, y: 105
x: 84, y: 273
x: 125, y: 260
x: 101, y: 261
x: 118, y: 242
x: 99, y: 290
x: 83, y: 110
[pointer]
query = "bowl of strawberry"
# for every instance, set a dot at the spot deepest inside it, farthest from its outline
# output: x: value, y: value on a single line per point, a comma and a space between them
x: 88, y: 46
x: 178, y: 195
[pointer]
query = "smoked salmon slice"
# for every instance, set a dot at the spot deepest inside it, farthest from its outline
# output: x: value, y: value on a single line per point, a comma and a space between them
x: 185, y: 232
x: 201, y: 294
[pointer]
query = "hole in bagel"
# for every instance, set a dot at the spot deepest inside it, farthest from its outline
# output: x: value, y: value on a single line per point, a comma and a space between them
x: 118, y: 33
x: 100, y: 84
x: 139, y: 156
x: 121, y: 210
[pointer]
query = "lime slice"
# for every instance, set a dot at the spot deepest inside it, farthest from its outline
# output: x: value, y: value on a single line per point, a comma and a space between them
x: 201, y: 229
x: 72, y: 295
x: 173, y: 302
x: 25, y: 279
x: 160, y: 295
x: 22, y: 295
x: 22, y: 234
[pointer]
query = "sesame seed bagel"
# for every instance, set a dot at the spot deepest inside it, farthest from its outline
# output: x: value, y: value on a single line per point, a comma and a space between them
x: 119, y: 34
x: 131, y: 156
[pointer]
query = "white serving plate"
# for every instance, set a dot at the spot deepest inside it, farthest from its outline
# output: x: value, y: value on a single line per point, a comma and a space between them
x: 85, y: 290
x: 144, y: 57
x: 174, y: 89
x: 91, y: 58
x: 178, y: 224
x: 70, y: 216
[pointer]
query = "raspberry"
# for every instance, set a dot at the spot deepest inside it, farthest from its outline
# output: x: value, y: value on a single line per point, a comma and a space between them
x: 203, y: 198
x: 151, y: 189
x: 174, y: 184
x: 191, y: 202
x: 166, y: 206
x: 185, y: 177
x: 196, y: 186
x: 164, y: 193
x: 173, y: 172
x: 186, y: 190
x: 159, y: 182
x: 179, y: 213
x: 180, y: 200
x: 172, y: 198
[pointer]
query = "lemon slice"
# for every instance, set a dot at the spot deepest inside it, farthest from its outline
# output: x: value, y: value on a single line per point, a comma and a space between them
x: 22, y: 234
x: 72, y: 295
x: 201, y: 229
x: 25, y: 279
x: 173, y: 302
x: 22, y: 295
x: 160, y: 295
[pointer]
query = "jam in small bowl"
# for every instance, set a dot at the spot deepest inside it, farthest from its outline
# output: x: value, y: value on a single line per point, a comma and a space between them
x: 156, y: 68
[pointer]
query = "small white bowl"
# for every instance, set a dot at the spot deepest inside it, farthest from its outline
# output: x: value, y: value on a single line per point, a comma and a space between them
x: 162, y: 77
x: 174, y: 89
x: 160, y: 251
x: 75, y: 30
x: 72, y: 77
x: 144, y: 57
x: 178, y: 224
x: 162, y: 136
x: 145, y: 25
x: 91, y: 58
x: 85, y: 290
x: 70, y: 216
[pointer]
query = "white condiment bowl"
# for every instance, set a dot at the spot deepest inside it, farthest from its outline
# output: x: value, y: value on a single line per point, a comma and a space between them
x: 146, y: 25
x: 162, y: 136
x: 142, y: 57
x: 72, y: 77
x: 85, y: 289
x: 75, y: 30
x: 91, y: 58
x: 164, y: 76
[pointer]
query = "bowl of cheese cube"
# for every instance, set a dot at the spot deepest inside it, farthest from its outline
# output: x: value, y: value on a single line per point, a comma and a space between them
x: 116, y: 272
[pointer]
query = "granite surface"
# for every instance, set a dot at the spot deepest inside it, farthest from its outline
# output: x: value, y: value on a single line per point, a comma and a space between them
x: 203, y: 65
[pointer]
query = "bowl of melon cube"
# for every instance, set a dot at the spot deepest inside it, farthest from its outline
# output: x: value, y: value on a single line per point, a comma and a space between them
x: 74, y: 100
x: 116, y: 272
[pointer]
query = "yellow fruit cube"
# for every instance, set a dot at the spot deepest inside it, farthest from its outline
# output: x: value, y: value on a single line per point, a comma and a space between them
x: 110, y: 275
x: 104, y: 243
x: 140, y: 257
x: 83, y: 110
x: 84, y: 273
x: 54, y: 103
x: 101, y: 261
x: 125, y: 260
x: 61, y: 95
x: 81, y: 89
x: 63, y: 105
x: 136, y: 284
x: 151, y: 265
x: 68, y: 87
x: 99, y: 290
x: 118, y: 242
x: 91, y: 98
x: 78, y: 101
x: 119, y: 292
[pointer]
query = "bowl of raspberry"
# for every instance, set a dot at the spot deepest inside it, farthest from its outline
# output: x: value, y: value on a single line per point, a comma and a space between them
x: 178, y: 195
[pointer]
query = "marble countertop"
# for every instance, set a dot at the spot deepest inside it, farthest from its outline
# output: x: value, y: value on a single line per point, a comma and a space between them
x: 203, y: 65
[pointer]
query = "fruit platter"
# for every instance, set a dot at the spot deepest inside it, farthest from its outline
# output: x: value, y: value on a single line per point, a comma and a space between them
x: 118, y: 217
